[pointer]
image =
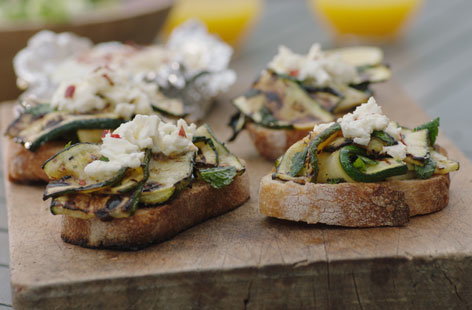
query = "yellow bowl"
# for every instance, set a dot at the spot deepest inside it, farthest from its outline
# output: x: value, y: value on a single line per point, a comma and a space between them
x: 229, y: 19
x: 376, y: 19
x: 138, y: 21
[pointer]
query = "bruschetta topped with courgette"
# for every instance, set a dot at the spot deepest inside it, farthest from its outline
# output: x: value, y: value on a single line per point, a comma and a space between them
x: 147, y: 175
x: 74, y: 89
x: 362, y: 170
x: 295, y: 92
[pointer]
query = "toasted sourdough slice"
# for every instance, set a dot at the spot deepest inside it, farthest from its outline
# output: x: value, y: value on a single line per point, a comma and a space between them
x: 25, y: 166
x: 389, y: 203
x: 272, y: 143
x: 150, y: 225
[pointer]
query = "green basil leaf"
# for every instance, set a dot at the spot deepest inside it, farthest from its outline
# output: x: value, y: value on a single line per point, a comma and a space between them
x: 426, y: 171
x: 218, y: 177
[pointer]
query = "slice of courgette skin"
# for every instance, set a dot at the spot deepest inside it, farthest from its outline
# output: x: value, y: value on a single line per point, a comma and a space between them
x: 207, y: 154
x: 384, y: 169
x: 317, y: 145
x: 225, y: 157
x: 70, y: 160
x: 166, y: 177
x: 287, y: 168
x: 300, y: 162
x: 58, y: 124
x: 103, y: 206
x: 66, y: 169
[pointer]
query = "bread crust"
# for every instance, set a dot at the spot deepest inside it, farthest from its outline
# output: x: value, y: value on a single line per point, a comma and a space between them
x: 151, y: 225
x: 272, y: 143
x: 24, y: 166
x: 389, y: 203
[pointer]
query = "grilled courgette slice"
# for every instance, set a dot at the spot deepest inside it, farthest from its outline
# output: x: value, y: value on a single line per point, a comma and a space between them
x: 66, y: 169
x: 417, y: 143
x: 103, y: 206
x: 300, y: 162
x: 132, y: 178
x: 292, y: 163
x: 370, y: 170
x: 280, y: 102
x: 167, y: 175
x: 330, y: 168
x: 207, y: 154
x: 225, y: 157
x: 58, y: 124
x: 359, y: 56
x: 26, y: 118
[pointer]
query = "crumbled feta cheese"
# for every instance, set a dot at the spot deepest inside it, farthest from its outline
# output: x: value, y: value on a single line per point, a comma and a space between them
x: 102, y: 88
x: 360, y: 124
x: 323, y: 69
x: 126, y: 145
x: 393, y: 130
x: 319, y: 128
x: 397, y: 151
x: 174, y: 139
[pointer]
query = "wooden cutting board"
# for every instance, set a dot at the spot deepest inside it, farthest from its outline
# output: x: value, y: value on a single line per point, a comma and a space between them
x: 245, y: 260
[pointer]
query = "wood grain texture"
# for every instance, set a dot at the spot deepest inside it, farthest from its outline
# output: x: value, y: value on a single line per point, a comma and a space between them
x: 245, y: 260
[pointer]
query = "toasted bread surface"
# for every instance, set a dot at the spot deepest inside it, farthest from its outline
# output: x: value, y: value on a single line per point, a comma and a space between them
x: 272, y: 143
x: 24, y: 166
x: 155, y: 224
x: 388, y: 203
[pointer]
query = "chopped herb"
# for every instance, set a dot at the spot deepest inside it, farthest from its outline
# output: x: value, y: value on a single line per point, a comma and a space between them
x: 433, y: 130
x: 362, y: 162
x: 359, y: 164
x: 218, y: 177
x: 68, y: 144
x: 385, y: 137
x: 426, y: 171
x: 335, y: 180
x: 39, y: 110
x: 104, y: 158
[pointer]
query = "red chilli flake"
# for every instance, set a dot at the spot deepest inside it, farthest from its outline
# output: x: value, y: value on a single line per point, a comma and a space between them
x: 110, y: 81
x: 182, y: 132
x: 82, y: 182
x: 70, y: 90
x: 115, y: 135
x: 294, y: 72
x: 105, y: 132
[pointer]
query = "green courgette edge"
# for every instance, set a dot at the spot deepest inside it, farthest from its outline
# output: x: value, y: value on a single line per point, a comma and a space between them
x: 96, y: 123
x: 128, y: 203
x: 345, y: 157
x: 66, y: 149
x: 312, y: 168
x: 236, y: 119
x: 167, y: 113
x: 53, y: 189
x: 209, y: 142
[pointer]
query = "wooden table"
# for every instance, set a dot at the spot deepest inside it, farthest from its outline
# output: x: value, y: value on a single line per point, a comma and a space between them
x: 432, y: 63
